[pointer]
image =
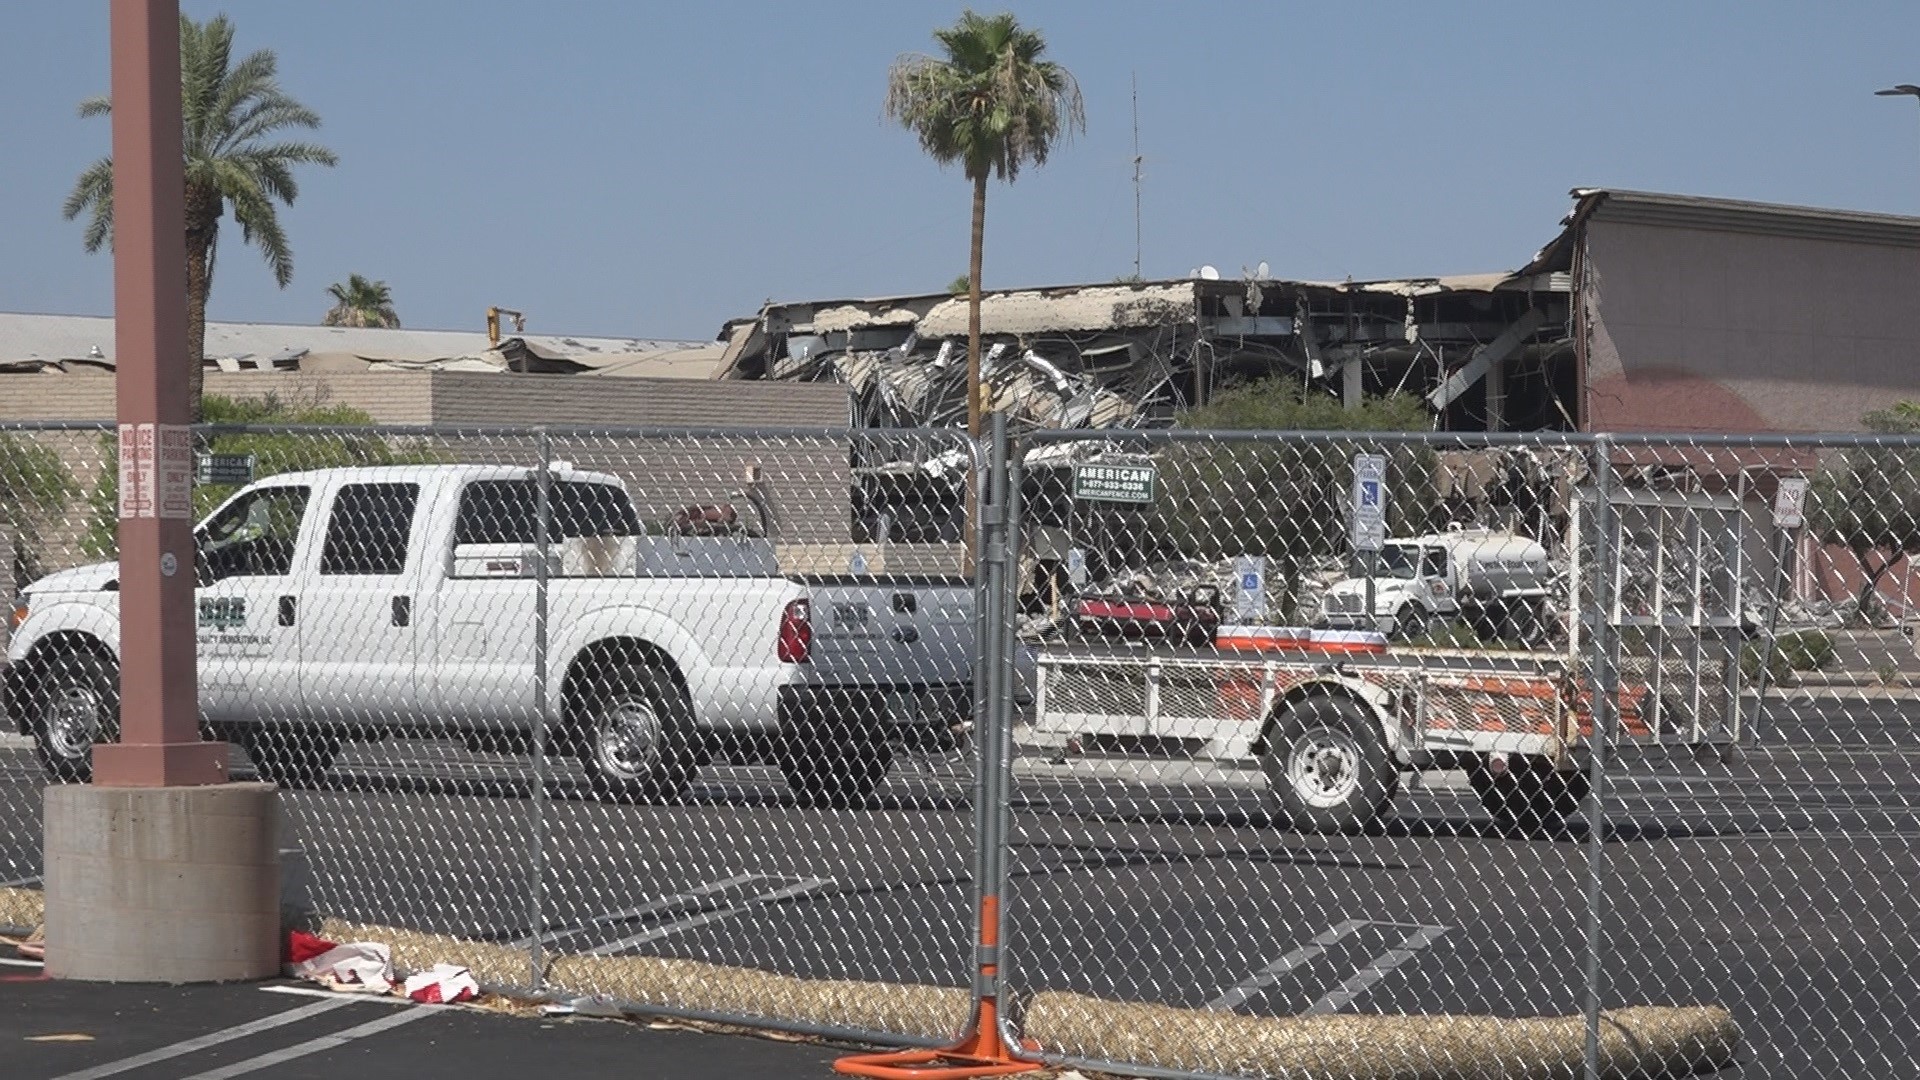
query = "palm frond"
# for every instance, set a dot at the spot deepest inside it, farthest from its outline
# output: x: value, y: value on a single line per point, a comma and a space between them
x: 230, y: 109
x: 98, y: 105
x: 93, y: 191
x: 991, y: 103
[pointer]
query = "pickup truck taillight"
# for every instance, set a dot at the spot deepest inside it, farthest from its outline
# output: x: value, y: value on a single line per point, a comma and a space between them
x: 796, y: 633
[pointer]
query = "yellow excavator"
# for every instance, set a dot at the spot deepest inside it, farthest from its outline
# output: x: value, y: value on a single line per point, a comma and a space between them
x: 493, y: 323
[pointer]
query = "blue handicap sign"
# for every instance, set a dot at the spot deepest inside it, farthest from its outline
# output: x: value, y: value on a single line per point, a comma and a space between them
x: 1250, y: 582
x: 1369, y: 493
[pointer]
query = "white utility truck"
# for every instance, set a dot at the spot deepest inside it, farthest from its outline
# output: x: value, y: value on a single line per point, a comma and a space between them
x: 356, y: 604
x: 1478, y: 575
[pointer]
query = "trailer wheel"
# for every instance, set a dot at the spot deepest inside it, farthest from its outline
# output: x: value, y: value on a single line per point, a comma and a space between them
x: 1329, y: 767
x: 1530, y: 796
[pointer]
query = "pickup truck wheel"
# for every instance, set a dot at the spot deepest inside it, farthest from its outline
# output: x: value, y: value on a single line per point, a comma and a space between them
x: 78, y: 705
x: 1329, y: 766
x: 636, y: 742
x: 289, y: 756
x: 835, y: 765
x: 1530, y: 797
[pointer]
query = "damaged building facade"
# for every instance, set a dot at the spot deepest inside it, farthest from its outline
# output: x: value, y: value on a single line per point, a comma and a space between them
x: 1646, y: 312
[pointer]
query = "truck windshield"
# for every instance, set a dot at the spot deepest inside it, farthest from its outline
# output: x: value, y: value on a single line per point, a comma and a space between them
x: 1394, y: 561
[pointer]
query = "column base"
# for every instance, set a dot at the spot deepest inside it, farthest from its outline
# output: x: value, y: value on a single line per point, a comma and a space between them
x: 166, y: 885
x: 151, y: 765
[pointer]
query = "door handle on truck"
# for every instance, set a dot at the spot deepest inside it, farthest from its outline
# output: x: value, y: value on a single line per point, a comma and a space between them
x: 402, y: 610
x: 287, y: 611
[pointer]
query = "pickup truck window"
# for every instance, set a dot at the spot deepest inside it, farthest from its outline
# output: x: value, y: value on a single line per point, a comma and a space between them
x: 253, y: 536
x: 503, y: 512
x: 367, y: 534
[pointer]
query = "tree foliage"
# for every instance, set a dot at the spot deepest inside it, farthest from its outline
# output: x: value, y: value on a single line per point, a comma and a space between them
x: 233, y: 115
x: 1287, y: 498
x: 361, y: 302
x: 1867, y: 499
x: 993, y: 104
x: 34, y: 485
x: 273, y: 452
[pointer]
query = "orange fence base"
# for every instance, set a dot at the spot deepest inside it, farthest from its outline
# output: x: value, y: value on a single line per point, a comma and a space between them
x: 981, y: 1053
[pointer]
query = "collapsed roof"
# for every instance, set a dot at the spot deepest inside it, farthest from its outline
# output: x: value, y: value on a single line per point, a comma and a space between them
x: 1487, y: 351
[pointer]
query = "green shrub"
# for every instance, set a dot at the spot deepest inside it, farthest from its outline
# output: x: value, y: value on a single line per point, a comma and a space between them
x: 1798, y: 650
x: 1806, y: 650
x: 1779, y: 671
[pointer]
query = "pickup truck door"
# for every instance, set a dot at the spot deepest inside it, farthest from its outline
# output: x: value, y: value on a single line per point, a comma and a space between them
x: 483, y: 625
x: 250, y: 554
x: 356, y: 617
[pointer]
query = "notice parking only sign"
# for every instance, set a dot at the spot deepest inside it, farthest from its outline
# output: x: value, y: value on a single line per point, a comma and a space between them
x: 1369, y: 505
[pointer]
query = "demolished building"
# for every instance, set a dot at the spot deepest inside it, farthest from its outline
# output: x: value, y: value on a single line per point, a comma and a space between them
x: 1488, y: 351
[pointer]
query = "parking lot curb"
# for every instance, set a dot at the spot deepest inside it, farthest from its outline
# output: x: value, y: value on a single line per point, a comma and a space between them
x: 1638, y: 1041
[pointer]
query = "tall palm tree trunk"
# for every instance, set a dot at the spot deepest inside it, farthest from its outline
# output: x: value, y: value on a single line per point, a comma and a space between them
x: 973, y: 304
x: 969, y: 540
x: 203, y: 224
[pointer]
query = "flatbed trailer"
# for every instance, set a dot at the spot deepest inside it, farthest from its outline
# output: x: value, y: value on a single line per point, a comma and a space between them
x: 1334, y: 730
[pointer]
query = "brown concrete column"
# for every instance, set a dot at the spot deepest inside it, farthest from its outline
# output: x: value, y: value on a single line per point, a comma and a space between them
x: 159, y: 727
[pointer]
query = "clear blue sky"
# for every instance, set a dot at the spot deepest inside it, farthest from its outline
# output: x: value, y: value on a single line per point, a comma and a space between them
x: 655, y: 168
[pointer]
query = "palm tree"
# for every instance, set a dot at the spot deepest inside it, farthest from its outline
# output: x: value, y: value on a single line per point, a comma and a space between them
x: 992, y: 104
x: 232, y: 113
x: 361, y: 303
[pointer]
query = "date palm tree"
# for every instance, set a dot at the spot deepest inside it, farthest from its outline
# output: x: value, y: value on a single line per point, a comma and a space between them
x: 233, y: 116
x: 361, y: 302
x: 991, y: 103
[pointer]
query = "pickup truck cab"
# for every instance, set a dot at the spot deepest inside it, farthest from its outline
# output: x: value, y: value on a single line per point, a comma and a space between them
x: 363, y: 603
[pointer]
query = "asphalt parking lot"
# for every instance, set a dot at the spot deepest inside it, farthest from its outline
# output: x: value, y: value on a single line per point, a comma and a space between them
x: 1778, y: 885
x: 73, y: 1031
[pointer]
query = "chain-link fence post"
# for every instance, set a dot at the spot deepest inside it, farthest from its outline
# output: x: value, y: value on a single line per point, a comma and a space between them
x: 1603, y: 678
x: 994, y: 647
x: 1006, y: 667
x: 537, y: 804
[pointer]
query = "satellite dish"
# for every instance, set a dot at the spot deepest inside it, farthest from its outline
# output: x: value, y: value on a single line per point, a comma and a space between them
x: 1262, y: 270
x: 1210, y: 273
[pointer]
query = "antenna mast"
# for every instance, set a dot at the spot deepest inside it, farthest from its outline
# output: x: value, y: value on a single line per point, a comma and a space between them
x: 1136, y: 174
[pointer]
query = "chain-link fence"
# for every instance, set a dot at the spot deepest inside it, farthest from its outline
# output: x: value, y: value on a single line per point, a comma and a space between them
x: 1324, y: 754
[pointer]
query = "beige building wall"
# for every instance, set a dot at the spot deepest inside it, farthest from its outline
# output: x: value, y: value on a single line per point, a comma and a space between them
x: 1747, y: 324
x: 810, y: 479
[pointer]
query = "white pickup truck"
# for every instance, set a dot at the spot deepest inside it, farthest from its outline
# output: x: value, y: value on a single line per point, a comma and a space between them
x: 362, y: 603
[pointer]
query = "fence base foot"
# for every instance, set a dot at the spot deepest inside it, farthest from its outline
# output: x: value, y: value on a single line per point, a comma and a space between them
x: 981, y: 1053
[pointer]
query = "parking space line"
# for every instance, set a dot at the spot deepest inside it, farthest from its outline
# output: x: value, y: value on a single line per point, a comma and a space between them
x: 1274, y: 972
x: 314, y: 1046
x: 653, y: 907
x: 318, y: 992
x: 1377, y: 969
x: 202, y: 1042
x: 805, y: 886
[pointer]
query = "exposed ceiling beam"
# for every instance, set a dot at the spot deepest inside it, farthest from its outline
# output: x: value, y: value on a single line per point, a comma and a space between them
x: 1486, y: 356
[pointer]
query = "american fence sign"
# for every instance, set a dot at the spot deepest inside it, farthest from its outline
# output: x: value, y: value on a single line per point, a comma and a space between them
x: 1115, y: 483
